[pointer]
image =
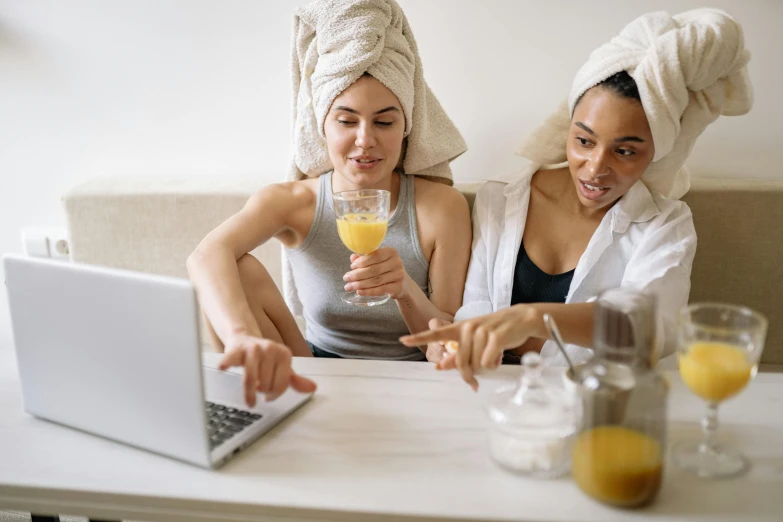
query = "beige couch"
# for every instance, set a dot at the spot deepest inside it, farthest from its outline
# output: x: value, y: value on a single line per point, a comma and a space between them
x: 152, y: 226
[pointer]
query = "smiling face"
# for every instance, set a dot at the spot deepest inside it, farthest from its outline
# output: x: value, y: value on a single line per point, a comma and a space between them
x: 609, y: 146
x: 364, y: 133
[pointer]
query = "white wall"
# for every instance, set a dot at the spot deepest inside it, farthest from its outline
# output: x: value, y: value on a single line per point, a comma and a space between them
x: 184, y: 88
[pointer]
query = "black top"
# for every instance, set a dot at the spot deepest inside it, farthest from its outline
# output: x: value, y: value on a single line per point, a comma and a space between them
x: 533, y: 285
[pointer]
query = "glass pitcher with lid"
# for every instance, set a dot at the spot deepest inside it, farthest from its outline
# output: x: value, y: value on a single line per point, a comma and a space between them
x: 618, y: 454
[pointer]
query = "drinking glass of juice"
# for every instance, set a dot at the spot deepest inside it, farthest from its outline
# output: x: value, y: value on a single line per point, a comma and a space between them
x: 362, y: 221
x: 719, y: 349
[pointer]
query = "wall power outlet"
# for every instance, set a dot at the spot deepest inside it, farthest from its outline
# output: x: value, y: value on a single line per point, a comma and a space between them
x: 49, y: 242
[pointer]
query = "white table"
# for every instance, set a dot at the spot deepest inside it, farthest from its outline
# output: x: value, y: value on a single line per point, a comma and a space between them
x: 381, y: 440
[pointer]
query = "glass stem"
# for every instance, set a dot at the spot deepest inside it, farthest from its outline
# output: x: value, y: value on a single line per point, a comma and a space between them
x: 709, y: 426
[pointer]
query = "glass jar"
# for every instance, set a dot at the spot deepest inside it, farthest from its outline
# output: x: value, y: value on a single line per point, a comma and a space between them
x: 619, y: 452
x: 532, y: 424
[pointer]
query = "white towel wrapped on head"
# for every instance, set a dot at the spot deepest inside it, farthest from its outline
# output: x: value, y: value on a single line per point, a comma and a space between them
x: 335, y: 43
x: 689, y: 68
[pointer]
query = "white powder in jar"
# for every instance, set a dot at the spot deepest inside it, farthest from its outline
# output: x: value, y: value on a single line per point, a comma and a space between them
x: 542, y: 453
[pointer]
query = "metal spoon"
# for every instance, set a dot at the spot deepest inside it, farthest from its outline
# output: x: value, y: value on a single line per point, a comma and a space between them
x: 554, y: 333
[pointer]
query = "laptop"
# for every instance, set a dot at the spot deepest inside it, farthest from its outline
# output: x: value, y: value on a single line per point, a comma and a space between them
x: 117, y: 354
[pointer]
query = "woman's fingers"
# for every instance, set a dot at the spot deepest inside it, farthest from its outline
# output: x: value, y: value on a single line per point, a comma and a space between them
x: 493, y: 355
x: 443, y: 334
x: 435, y: 352
x: 301, y: 384
x: 379, y: 256
x: 252, y: 364
x: 281, y: 376
x: 266, y: 370
x: 467, y: 374
x: 362, y: 274
x: 436, y: 323
x: 232, y: 358
x: 373, y: 276
x: 464, y: 355
x: 372, y: 265
x: 479, y: 346
x: 374, y: 282
x: 389, y: 289
x: 449, y: 362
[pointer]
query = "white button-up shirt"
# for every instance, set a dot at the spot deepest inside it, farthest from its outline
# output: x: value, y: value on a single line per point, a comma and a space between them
x: 644, y: 241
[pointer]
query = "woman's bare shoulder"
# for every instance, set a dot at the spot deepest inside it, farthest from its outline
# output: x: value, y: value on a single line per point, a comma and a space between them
x: 433, y: 191
x: 291, y: 195
x: 440, y: 203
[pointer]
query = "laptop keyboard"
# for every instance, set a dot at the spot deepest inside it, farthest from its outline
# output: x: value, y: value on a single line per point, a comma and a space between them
x: 224, y: 422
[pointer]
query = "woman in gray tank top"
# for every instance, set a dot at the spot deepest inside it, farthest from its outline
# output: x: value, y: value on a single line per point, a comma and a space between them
x: 363, y: 118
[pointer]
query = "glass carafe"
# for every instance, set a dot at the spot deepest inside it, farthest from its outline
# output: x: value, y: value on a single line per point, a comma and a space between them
x: 619, y: 452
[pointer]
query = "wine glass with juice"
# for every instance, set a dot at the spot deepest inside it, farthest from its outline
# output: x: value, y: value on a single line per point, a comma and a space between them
x: 719, y: 349
x: 362, y: 221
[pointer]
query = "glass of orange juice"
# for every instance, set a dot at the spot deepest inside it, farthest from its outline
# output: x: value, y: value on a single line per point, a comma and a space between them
x: 719, y: 349
x: 362, y: 221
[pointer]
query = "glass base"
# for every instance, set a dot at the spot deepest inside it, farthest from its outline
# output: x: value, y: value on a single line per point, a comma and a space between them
x: 364, y: 300
x: 709, y: 462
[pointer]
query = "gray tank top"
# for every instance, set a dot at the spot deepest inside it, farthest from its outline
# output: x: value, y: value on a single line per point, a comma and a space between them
x: 318, y: 267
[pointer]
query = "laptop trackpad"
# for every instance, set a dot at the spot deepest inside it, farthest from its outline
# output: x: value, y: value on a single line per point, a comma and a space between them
x: 224, y: 387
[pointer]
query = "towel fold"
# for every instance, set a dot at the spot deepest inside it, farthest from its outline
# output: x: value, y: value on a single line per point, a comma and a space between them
x: 689, y: 68
x: 335, y: 43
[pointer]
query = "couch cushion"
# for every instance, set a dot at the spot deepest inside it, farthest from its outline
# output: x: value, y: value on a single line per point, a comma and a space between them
x: 152, y: 226
x: 739, y: 258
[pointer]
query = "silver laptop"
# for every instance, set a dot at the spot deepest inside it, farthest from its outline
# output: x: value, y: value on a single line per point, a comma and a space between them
x: 117, y: 354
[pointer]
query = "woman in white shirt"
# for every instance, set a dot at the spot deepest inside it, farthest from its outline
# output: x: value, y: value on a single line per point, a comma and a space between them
x: 549, y: 239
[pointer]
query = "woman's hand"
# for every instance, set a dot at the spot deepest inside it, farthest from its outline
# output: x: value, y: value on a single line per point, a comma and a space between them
x: 482, y: 340
x: 436, y: 351
x: 378, y: 273
x: 267, y: 367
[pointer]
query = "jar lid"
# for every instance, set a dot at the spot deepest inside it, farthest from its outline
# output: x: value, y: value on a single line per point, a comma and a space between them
x: 533, y: 404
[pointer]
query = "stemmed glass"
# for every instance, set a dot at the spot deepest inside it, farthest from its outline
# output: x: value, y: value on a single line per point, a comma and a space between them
x: 719, y: 349
x: 362, y: 221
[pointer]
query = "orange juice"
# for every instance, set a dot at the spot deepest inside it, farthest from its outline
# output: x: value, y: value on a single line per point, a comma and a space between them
x: 362, y: 233
x: 617, y: 465
x: 715, y: 371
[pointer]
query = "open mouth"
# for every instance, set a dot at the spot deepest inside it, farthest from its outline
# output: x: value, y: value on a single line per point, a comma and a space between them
x: 592, y: 191
x: 365, y: 163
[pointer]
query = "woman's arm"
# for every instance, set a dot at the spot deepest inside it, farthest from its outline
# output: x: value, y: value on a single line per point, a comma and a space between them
x: 476, y: 298
x: 213, y: 265
x: 215, y: 274
x: 447, y: 217
x: 482, y: 340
